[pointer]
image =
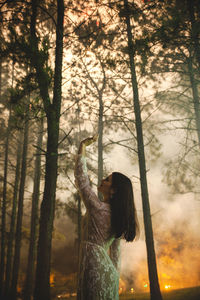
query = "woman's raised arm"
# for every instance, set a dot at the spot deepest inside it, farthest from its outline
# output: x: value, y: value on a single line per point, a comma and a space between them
x: 88, y: 196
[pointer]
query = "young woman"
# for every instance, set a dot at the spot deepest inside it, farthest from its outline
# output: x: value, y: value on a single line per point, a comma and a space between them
x: 106, y: 222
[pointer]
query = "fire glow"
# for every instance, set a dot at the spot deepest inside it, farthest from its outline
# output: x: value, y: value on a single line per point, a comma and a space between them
x: 177, y: 261
x: 167, y: 287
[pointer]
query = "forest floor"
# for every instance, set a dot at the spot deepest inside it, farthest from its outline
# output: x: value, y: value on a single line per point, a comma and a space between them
x: 181, y: 294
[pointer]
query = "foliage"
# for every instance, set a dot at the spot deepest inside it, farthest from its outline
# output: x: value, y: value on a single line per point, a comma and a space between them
x: 177, y: 57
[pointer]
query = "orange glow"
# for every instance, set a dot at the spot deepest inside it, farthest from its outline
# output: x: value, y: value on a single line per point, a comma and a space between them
x: 52, y: 281
x: 120, y: 290
x: 19, y: 289
x: 177, y: 258
x: 122, y: 286
x: 167, y: 287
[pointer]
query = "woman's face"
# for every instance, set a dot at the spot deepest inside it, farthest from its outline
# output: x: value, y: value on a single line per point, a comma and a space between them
x: 105, y: 187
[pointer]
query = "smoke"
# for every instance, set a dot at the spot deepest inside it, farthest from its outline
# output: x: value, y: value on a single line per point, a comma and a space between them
x: 65, y: 248
x: 175, y: 220
x: 177, y: 248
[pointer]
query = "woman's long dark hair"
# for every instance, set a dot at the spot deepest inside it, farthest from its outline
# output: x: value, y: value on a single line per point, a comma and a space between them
x: 123, y: 214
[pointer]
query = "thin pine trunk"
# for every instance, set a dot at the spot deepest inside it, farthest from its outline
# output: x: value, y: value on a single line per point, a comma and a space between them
x: 3, y: 209
x: 151, y: 257
x: 100, y: 92
x: 79, y: 217
x: 18, y: 237
x: 42, y: 284
x: 13, y: 218
x: 8, y: 249
x: 0, y: 78
x: 79, y: 226
x: 29, y: 282
x: 100, y: 125
x: 195, y: 31
x: 195, y: 94
x: 100, y: 142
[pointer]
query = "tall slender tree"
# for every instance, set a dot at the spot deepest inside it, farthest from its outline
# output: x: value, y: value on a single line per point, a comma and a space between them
x: 4, y: 202
x: 4, y: 199
x: 194, y: 16
x: 52, y: 110
x: 151, y: 257
x: 11, y: 236
x: 29, y: 281
x: 18, y: 237
x: 195, y: 95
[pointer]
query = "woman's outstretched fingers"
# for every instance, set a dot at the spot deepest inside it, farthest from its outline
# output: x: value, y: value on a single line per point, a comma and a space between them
x: 90, y: 140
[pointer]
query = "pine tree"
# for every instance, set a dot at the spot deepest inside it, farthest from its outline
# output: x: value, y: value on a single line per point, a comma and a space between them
x: 151, y: 258
x: 52, y: 110
x: 9, y: 256
x: 16, y: 260
x: 29, y: 281
x: 177, y: 40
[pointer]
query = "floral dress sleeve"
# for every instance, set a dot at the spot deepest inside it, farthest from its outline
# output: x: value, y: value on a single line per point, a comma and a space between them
x: 115, y: 253
x: 88, y: 196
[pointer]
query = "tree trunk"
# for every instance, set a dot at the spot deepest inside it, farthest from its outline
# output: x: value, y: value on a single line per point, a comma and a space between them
x: 151, y: 258
x: 100, y: 142
x: 16, y: 262
x: 3, y: 220
x: 0, y: 78
x: 195, y: 31
x: 3, y: 208
x: 79, y: 216
x: 100, y: 125
x: 13, y: 218
x: 29, y: 282
x: 195, y: 97
x: 42, y: 284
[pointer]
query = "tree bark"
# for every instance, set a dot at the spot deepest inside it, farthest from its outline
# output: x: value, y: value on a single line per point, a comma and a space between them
x: 79, y: 217
x: 13, y: 218
x: 16, y: 262
x: 0, y: 78
x: 195, y: 94
x: 29, y: 281
x: 151, y: 257
x: 42, y: 284
x: 100, y: 142
x: 100, y: 126
x: 3, y: 208
x: 195, y: 31
x: 3, y: 219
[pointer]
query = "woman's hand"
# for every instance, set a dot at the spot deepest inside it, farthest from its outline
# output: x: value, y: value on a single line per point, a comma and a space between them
x: 87, y: 142
x: 90, y: 140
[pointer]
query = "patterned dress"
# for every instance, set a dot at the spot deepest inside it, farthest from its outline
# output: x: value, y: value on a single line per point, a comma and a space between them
x: 100, y: 251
